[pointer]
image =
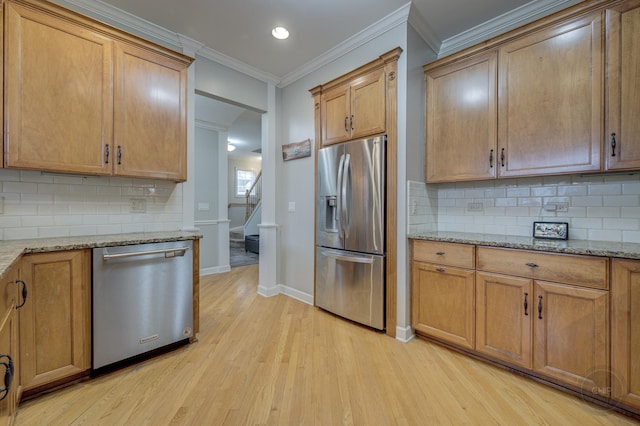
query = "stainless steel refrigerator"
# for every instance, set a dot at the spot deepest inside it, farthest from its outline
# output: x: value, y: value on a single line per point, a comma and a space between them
x: 350, y: 231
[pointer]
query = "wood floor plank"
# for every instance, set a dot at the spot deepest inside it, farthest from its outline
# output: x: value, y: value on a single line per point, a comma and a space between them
x: 278, y: 361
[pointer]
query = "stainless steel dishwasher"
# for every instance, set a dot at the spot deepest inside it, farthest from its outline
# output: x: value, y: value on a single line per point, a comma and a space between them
x: 142, y: 299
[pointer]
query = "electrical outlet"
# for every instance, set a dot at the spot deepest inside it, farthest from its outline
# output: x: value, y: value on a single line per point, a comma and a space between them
x: 1, y: 205
x: 562, y: 207
x: 414, y: 206
x: 475, y: 207
x: 137, y: 205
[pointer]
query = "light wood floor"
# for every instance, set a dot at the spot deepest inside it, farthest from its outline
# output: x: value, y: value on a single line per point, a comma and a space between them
x: 277, y: 361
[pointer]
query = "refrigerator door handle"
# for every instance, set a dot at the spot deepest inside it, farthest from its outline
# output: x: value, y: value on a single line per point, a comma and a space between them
x: 346, y: 195
x: 339, y: 198
x: 347, y: 257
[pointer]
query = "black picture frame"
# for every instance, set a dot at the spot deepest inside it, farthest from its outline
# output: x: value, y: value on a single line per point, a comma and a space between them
x: 551, y: 230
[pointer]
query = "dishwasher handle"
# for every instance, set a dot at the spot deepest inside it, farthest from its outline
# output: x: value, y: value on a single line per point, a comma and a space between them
x: 170, y: 252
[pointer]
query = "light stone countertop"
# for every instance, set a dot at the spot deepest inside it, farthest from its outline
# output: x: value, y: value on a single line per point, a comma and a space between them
x: 582, y: 247
x: 10, y: 251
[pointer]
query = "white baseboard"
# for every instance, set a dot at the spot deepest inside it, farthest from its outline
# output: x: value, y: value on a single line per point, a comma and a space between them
x: 296, y: 294
x: 286, y: 291
x: 404, y: 334
x: 215, y: 270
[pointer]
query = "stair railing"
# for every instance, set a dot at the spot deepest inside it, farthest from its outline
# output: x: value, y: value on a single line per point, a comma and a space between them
x: 253, y: 196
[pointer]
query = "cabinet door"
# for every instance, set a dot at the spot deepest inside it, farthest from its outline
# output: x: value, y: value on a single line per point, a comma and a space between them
x: 9, y: 345
x: 58, y: 94
x: 150, y: 115
x: 55, y: 322
x: 368, y: 105
x: 504, y: 309
x: 550, y: 100
x: 623, y: 72
x: 462, y: 120
x: 443, y: 303
x: 571, y: 335
x: 625, y: 331
x: 335, y: 110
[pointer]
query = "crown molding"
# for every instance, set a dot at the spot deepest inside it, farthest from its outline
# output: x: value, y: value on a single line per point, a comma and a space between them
x: 125, y: 20
x: 235, y: 64
x: 501, y: 24
x: 398, y: 17
x: 417, y: 21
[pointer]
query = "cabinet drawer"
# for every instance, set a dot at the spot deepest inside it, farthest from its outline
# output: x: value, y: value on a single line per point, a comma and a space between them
x: 587, y: 271
x: 450, y: 254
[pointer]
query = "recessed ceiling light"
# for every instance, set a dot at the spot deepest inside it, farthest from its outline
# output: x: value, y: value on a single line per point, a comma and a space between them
x: 280, y: 33
x: 230, y: 147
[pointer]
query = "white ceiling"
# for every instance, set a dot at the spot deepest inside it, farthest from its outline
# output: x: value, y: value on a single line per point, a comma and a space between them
x: 241, y: 29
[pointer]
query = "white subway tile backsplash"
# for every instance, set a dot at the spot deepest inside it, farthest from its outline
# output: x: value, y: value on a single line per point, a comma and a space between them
x: 601, y: 208
x: 46, y: 204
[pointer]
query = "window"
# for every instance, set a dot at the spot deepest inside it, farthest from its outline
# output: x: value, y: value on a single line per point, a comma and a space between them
x: 244, y: 180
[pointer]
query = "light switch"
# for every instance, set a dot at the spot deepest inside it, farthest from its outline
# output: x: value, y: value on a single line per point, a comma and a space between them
x: 292, y: 206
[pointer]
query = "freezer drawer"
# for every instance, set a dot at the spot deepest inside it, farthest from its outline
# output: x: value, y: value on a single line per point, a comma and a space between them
x: 351, y: 285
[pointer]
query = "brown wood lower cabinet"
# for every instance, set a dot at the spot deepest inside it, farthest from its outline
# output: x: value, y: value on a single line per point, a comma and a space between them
x: 625, y: 332
x: 55, y: 322
x: 443, y: 304
x: 555, y: 331
x: 504, y: 308
x: 571, y: 329
x: 9, y: 349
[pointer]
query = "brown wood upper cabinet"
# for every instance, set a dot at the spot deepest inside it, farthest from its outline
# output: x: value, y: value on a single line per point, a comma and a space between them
x: 622, y: 138
x: 354, y: 110
x: 76, y: 101
x: 537, y: 106
x: 355, y: 105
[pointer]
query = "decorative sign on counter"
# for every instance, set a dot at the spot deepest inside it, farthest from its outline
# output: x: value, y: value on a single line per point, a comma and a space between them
x: 551, y: 230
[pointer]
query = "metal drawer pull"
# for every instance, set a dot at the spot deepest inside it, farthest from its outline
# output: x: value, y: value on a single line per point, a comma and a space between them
x: 532, y: 265
x: 348, y: 258
x: 526, y: 304
x: 440, y: 253
x: 8, y: 375
x: 440, y: 270
x: 539, y: 307
x: 172, y: 252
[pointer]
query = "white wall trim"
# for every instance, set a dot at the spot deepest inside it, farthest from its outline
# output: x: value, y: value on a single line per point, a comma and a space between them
x: 208, y: 125
x: 235, y: 64
x: 268, y: 291
x: 374, y: 30
x: 501, y: 24
x: 417, y: 21
x: 214, y: 270
x: 268, y: 226
x: 296, y: 294
x: 133, y: 23
x: 206, y: 222
x: 404, y: 334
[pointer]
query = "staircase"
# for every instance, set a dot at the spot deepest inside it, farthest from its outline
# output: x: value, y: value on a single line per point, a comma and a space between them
x: 236, y: 237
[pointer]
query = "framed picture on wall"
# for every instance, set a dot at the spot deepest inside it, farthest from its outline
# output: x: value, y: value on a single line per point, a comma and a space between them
x: 551, y: 230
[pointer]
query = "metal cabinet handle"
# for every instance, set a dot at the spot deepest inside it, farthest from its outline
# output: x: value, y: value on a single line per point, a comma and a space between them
x: 106, y: 154
x: 539, y: 307
x: 502, y: 157
x: 440, y: 253
x: 24, y: 293
x: 170, y: 252
x: 613, y: 144
x: 119, y: 155
x: 532, y: 265
x: 491, y: 159
x: 351, y: 122
x: 526, y: 304
x: 346, y: 129
x: 439, y: 270
x: 8, y: 375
